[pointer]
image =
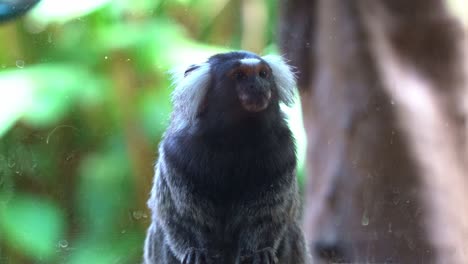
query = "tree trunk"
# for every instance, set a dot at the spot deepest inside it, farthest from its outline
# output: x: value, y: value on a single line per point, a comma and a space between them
x: 383, y: 92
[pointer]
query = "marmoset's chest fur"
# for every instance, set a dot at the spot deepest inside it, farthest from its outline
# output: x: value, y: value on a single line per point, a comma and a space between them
x: 233, y: 165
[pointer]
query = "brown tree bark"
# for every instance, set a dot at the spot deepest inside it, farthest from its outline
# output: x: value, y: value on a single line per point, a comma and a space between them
x: 383, y: 92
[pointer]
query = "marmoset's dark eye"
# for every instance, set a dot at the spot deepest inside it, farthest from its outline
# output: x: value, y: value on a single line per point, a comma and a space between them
x: 263, y: 74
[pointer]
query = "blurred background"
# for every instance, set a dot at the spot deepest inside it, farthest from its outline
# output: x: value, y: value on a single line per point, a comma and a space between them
x: 84, y: 100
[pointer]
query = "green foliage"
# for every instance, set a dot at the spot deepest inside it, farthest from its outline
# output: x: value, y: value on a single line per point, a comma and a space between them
x: 103, y: 192
x: 84, y: 100
x: 38, y: 96
x: 33, y: 225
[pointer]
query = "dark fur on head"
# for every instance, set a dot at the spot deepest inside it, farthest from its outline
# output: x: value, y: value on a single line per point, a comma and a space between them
x: 197, y: 82
x: 225, y: 188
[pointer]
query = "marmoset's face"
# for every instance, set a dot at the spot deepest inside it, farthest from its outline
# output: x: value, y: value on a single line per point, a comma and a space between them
x: 242, y: 83
x: 253, y: 82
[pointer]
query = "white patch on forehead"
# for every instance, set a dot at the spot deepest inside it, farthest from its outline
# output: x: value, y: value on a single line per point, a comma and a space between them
x: 250, y: 61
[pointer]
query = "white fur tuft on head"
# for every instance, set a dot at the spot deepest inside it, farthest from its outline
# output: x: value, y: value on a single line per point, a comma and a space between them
x: 191, y: 85
x: 285, y: 78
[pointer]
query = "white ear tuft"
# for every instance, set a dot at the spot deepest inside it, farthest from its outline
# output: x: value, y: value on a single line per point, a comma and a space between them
x: 284, y: 78
x: 191, y: 85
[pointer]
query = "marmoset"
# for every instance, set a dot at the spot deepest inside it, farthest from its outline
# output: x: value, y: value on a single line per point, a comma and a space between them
x: 225, y: 189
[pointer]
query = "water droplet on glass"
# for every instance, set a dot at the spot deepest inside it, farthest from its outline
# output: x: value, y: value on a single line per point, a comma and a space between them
x: 137, y: 215
x: 63, y: 243
x: 71, y: 156
x: 20, y: 64
x: 365, y: 219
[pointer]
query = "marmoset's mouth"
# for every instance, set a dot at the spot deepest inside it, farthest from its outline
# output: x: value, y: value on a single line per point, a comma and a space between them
x: 255, y: 102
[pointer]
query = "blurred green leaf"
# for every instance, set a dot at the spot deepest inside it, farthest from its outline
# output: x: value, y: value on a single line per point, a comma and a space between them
x: 15, y: 97
x: 104, y: 191
x: 41, y: 94
x: 184, y: 2
x: 155, y: 109
x: 123, y: 247
x: 50, y: 11
x: 33, y: 225
x: 158, y: 45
